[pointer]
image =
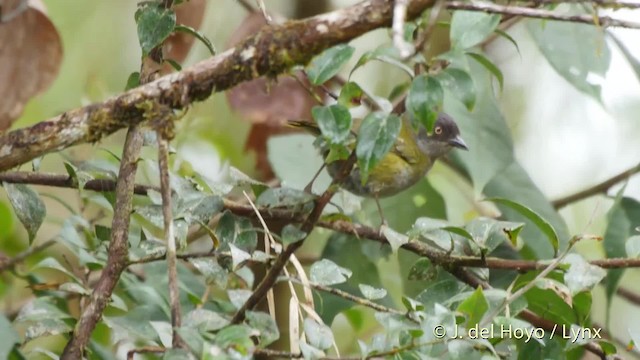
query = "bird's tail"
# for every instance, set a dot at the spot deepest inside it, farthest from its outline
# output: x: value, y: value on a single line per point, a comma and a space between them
x: 308, y: 126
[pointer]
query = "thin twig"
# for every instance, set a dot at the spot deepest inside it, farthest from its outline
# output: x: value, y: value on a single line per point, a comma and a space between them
x: 614, y: 4
x: 247, y: 6
x: 118, y: 248
x: 405, y: 49
x: 628, y: 295
x: 599, y: 188
x: 172, y: 263
x: 10, y: 263
x: 604, y: 21
x: 263, y: 8
x: 510, y: 298
x: 424, y: 35
x: 65, y: 181
x: 347, y: 296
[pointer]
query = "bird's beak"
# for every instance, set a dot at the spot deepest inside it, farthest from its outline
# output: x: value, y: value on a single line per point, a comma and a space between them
x: 458, y: 143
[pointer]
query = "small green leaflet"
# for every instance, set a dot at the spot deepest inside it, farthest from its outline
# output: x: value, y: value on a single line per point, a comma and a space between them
x: 155, y: 24
x: 424, y: 99
x: 334, y: 122
x: 376, y: 136
x: 324, y: 66
x: 28, y: 206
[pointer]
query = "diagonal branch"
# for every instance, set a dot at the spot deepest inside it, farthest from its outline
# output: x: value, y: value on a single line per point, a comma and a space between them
x: 600, y: 188
x: 295, y: 43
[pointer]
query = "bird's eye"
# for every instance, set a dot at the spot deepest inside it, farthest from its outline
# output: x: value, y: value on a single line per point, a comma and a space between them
x: 438, y: 130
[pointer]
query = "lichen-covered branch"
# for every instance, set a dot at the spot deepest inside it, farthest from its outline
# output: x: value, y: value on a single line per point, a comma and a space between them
x: 271, y: 51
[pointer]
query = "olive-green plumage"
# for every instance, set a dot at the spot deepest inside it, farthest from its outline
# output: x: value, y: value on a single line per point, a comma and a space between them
x: 410, y: 158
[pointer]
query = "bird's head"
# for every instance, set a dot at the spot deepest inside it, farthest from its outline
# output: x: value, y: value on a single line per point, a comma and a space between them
x: 444, y: 137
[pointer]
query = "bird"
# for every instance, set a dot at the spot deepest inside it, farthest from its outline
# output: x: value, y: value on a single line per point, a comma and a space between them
x: 410, y: 158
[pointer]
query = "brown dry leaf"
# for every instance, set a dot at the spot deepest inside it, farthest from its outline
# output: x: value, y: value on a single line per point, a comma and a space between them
x: 30, y: 56
x: 268, y: 104
x: 176, y: 47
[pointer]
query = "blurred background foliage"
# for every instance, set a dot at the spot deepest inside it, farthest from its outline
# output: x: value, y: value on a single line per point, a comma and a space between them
x: 566, y: 134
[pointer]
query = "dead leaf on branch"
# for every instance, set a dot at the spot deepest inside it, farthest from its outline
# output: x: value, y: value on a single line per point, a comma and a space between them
x: 268, y: 103
x: 30, y: 57
x: 176, y: 47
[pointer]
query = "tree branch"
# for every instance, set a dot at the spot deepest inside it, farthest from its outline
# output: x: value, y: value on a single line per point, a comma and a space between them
x: 296, y: 43
x: 118, y: 249
x: 600, y: 188
x: 439, y: 257
x: 65, y: 181
x: 10, y: 263
x: 604, y: 21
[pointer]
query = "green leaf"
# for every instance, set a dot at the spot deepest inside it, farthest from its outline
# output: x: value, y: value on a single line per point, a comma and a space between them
x: 490, y: 66
x: 424, y: 100
x: 52, y: 263
x: 632, y: 246
x: 372, y: 293
x: 237, y: 337
x: 395, y: 239
x: 547, y: 303
x: 619, y: 227
x: 506, y: 35
x: 8, y: 337
x: 46, y: 327
x: 213, y: 272
x: 575, y: 51
x: 236, y: 230
x: 422, y: 269
x: 318, y: 335
x: 460, y: 84
x: 632, y: 60
x: 581, y: 276
x: 284, y: 197
x: 474, y: 307
x: 440, y: 290
x: 238, y: 256
x: 174, y: 64
x: 266, y: 326
x: 386, y: 53
x: 155, y: 24
x: 310, y: 353
x: 350, y: 95
x: 469, y: 28
x: 28, y: 206
x: 515, y: 183
x: 326, y: 272
x: 238, y: 297
x: 376, y: 136
x: 489, y: 233
x: 326, y: 65
x: 334, y: 122
x: 42, y: 308
x: 343, y: 249
x: 198, y: 35
x: 291, y: 234
x: 205, y: 320
x: 133, y: 81
x: 541, y: 223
